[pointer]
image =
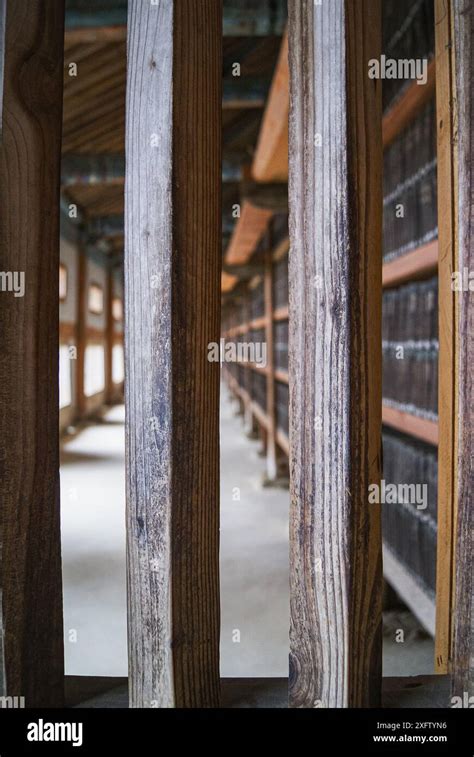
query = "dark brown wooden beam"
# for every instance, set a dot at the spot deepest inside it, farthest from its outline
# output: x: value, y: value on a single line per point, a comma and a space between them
x: 172, y: 281
x: 3, y: 8
x: 335, y: 283
x: 29, y: 324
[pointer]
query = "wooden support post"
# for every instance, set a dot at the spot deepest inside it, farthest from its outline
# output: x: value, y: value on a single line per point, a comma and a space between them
x: 249, y: 420
x: 448, y: 319
x: 271, y: 457
x: 81, y: 330
x: 463, y: 632
x: 172, y: 289
x: 29, y: 367
x: 109, y: 338
x: 335, y: 353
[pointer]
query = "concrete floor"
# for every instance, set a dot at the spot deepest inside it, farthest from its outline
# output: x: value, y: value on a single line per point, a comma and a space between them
x: 254, y: 554
x: 253, y: 559
x: 93, y: 546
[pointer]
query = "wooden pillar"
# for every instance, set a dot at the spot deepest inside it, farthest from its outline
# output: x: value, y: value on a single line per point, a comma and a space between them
x: 109, y: 338
x: 271, y: 456
x: 463, y: 631
x: 448, y: 319
x: 335, y: 277
x: 30, y: 152
x: 172, y: 290
x: 249, y: 420
x: 81, y: 330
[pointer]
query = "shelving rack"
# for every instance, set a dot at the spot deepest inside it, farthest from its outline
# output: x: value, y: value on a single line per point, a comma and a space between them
x: 431, y: 258
x: 416, y: 264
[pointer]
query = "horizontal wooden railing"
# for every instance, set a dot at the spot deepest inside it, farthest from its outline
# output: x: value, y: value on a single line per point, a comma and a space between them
x: 411, y: 424
x: 416, y: 264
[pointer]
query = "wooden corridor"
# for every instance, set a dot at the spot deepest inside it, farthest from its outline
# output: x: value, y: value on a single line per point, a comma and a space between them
x: 152, y: 169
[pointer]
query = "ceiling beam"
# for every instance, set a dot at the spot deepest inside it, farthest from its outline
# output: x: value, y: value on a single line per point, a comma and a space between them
x: 271, y: 156
x: 248, y: 232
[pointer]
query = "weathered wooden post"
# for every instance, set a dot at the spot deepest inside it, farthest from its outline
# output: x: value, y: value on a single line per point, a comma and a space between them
x: 463, y: 632
x: 30, y: 153
x: 335, y: 352
x: 172, y: 294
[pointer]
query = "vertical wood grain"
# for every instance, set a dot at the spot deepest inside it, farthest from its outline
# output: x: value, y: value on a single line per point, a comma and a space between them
x: 29, y: 366
x: 335, y: 353
x: 446, y: 114
x: 172, y: 291
x: 463, y: 632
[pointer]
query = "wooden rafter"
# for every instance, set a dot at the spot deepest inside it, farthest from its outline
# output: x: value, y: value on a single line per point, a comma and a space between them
x: 248, y: 232
x: 271, y: 157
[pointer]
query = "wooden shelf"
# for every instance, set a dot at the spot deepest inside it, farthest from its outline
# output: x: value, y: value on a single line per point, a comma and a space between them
x: 255, y: 367
x: 257, y: 323
x: 281, y: 249
x: 413, y: 425
x: 416, y: 264
x: 281, y: 376
x: 236, y: 331
x: 408, y: 106
x: 281, y: 314
x: 260, y: 415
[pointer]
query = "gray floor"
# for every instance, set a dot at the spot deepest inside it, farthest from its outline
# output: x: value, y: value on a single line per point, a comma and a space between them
x: 254, y: 554
x: 254, y: 561
x: 93, y: 546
